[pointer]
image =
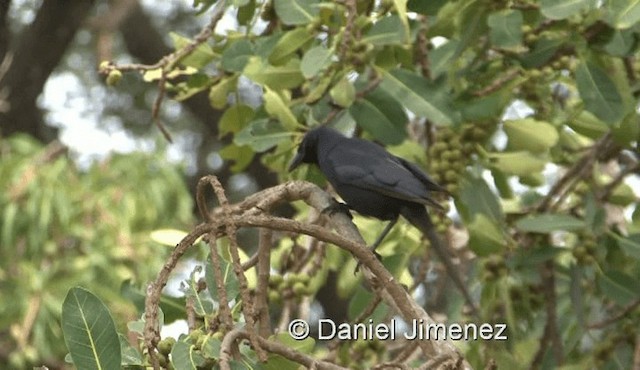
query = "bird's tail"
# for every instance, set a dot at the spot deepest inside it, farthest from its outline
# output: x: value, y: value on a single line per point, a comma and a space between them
x: 419, y: 218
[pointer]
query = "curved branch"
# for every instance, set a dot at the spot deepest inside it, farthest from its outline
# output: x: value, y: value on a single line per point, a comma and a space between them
x: 251, y: 213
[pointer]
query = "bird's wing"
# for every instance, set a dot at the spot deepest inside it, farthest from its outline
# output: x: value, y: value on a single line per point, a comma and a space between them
x: 370, y: 167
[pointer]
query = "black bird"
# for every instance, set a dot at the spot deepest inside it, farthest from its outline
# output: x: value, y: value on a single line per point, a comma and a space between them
x: 376, y: 183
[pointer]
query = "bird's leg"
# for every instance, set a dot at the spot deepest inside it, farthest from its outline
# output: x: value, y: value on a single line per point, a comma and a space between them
x: 337, y: 207
x: 383, y: 235
x: 378, y: 241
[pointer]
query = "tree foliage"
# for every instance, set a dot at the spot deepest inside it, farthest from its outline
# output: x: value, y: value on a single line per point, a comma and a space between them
x: 62, y: 227
x: 525, y: 111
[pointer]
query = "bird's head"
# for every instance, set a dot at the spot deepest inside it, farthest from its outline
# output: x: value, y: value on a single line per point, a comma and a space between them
x: 308, y: 149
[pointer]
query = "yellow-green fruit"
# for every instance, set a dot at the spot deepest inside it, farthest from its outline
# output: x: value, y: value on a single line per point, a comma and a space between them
x: 299, y: 288
x: 114, y: 77
x: 274, y: 296
x: 451, y: 176
x: 275, y: 280
x: 439, y: 147
x: 456, y: 153
x: 479, y: 133
x: 104, y: 66
x: 435, y: 166
x: 217, y: 335
x: 162, y: 359
x: 452, y: 188
x: 197, y: 336
x: 166, y: 345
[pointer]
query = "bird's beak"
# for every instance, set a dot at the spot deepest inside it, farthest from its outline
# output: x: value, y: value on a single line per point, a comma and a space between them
x: 296, y: 161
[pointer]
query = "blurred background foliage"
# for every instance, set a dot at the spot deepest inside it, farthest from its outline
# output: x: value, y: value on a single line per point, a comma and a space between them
x: 62, y: 227
x: 525, y: 110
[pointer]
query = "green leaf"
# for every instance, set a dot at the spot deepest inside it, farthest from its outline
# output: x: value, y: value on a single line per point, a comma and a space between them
x: 543, y: 50
x: 505, y: 28
x: 562, y: 9
x: 286, y: 76
x: 441, y: 58
x: 619, y: 286
x: 277, y: 362
x: 246, y: 12
x: 172, y: 308
x: 240, y: 156
x: 382, y: 116
x: 235, y: 119
x: 520, y: 163
x: 588, y: 125
x: 229, y: 280
x: 599, y: 93
x: 195, y: 83
x: 388, y: 30
x: 425, y: 7
x: 201, y: 56
x: 315, y: 60
x: 477, y: 198
x: 167, y: 237
x: 317, y: 89
x: 623, y: 195
x: 288, y: 44
x: 627, y: 131
x: 485, y: 237
x: 202, y: 302
x: 343, y: 93
x: 219, y: 92
x: 236, y: 56
x: 184, y: 356
x: 89, y: 331
x: 530, y: 134
x: 629, y: 245
x: 548, y: 222
x: 623, y: 13
x: 211, y: 348
x: 360, y: 300
x: 470, y: 16
x: 296, y: 12
x: 533, y: 257
x: 401, y: 9
x: 486, y: 107
x: 276, y: 107
x: 130, y: 355
x: 419, y: 95
x: 262, y: 135
x: 622, y: 43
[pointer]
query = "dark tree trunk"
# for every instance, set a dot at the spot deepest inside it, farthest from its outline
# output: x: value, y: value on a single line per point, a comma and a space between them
x: 36, y: 53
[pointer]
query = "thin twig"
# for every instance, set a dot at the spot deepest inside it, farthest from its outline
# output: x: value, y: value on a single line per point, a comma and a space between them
x: 348, y: 37
x: 168, y: 63
x: 498, y: 83
x: 226, y: 321
x: 261, y: 306
x: 154, y: 290
x: 231, y: 231
x: 620, y: 315
x: 579, y: 170
x: 610, y: 187
x: 422, y: 42
x: 277, y: 348
x: 550, y: 336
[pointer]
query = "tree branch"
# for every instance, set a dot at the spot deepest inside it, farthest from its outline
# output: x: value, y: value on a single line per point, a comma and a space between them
x: 250, y: 213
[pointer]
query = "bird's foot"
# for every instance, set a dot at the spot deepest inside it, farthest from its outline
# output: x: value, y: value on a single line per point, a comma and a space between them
x: 337, y: 207
x: 378, y: 256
